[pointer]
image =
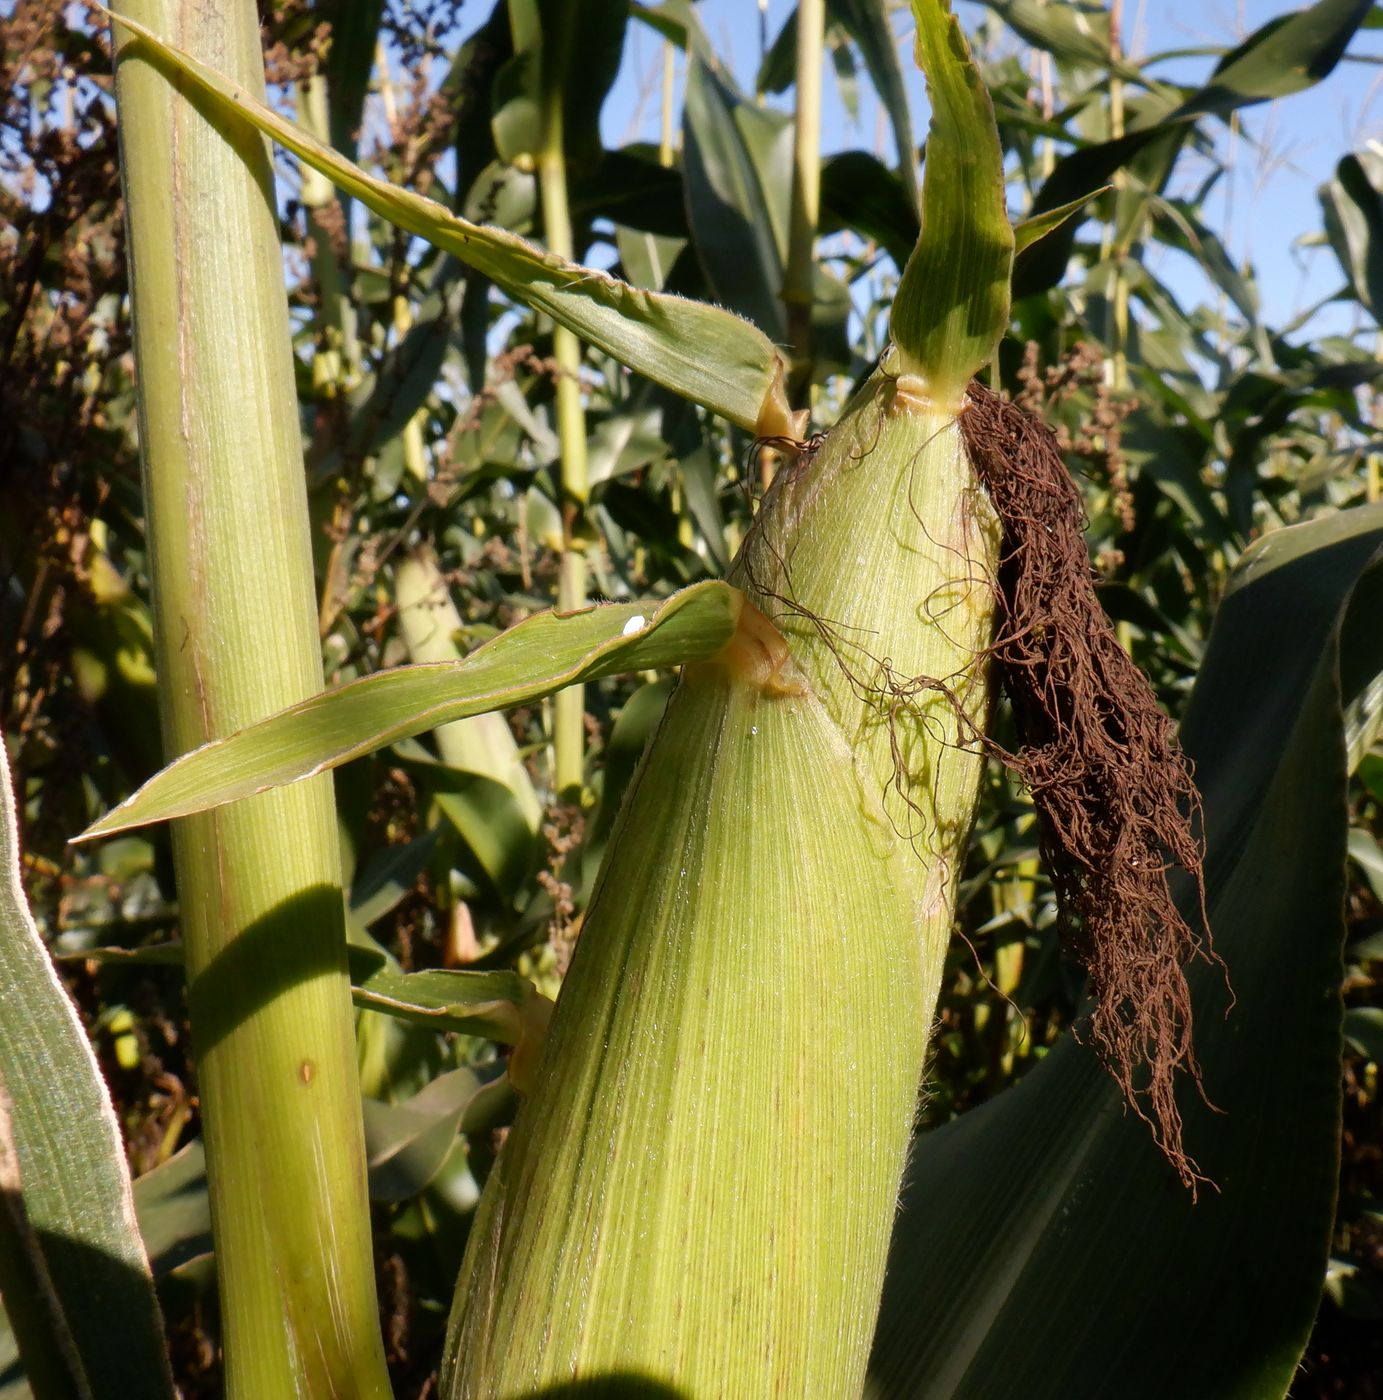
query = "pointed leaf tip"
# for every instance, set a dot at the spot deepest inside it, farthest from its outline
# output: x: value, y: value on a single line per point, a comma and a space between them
x: 953, y: 300
x: 535, y: 658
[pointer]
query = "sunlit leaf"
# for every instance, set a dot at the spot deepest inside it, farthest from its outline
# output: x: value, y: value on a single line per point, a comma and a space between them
x: 700, y: 351
x: 952, y: 303
x: 533, y: 659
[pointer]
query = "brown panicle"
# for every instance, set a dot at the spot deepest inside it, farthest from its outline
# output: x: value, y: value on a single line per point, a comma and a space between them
x: 1115, y: 799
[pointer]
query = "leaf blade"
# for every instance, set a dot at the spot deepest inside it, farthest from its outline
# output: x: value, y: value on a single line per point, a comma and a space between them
x: 1051, y: 1186
x: 699, y: 351
x: 366, y: 714
x: 66, y: 1183
x: 953, y: 300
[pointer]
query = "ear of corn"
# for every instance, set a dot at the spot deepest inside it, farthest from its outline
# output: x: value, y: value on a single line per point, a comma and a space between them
x: 700, y: 1189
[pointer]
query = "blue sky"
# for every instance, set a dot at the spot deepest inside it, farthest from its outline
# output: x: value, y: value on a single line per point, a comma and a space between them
x: 1287, y: 149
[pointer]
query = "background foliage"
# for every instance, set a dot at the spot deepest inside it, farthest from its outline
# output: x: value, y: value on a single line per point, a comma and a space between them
x: 428, y: 412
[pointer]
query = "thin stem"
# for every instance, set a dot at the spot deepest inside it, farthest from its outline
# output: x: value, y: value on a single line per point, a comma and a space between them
x: 806, y: 197
x: 259, y: 881
x: 665, y: 137
x: 569, y: 732
x: 1118, y: 338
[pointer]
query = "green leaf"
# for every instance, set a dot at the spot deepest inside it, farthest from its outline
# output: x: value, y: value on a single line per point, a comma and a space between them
x: 1367, y: 854
x: 76, y: 1280
x: 860, y: 192
x: 570, y: 48
x: 388, y: 877
x: 499, y: 1005
x: 386, y: 400
x: 535, y: 658
x: 1353, y: 206
x: 1042, y: 1236
x: 867, y: 23
x: 1031, y: 230
x: 632, y: 189
x: 1070, y: 33
x: 407, y: 1144
x: 1286, y: 55
x: 953, y: 300
x: 491, y: 823
x: 174, y: 1210
x: 1179, y: 226
x: 737, y: 160
x: 1364, y: 1031
x: 701, y: 352
x: 350, y: 61
x: 647, y: 259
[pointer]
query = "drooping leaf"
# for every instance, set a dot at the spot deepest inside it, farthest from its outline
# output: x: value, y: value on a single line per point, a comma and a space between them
x: 952, y: 302
x: 738, y: 163
x: 1042, y: 1237
x: 76, y: 1279
x: 859, y: 192
x: 406, y: 1144
x: 1284, y: 56
x: 500, y: 1005
x: 700, y: 351
x: 174, y: 1210
x: 1287, y: 54
x: 532, y: 659
x: 867, y: 23
x: 1179, y: 225
x: 632, y: 189
x: 1070, y: 33
x: 1353, y: 206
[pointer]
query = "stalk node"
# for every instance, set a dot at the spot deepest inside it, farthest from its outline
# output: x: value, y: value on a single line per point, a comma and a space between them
x: 758, y: 656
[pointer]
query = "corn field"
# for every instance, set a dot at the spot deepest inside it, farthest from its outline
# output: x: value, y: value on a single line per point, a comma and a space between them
x: 721, y: 766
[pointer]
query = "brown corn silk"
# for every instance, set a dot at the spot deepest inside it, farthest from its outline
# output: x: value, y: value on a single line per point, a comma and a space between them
x: 700, y: 1189
x: 1117, y: 806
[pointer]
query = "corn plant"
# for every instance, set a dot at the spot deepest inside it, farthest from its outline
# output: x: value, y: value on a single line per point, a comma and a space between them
x: 699, y: 1190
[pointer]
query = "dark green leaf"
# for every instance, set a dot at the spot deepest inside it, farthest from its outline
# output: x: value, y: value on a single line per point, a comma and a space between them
x: 350, y: 61
x: 737, y: 158
x: 406, y: 1144
x: 1043, y: 1237
x: 858, y: 191
x: 867, y: 23
x: 1284, y: 56
x: 1364, y: 1031
x: 567, y: 52
x: 1353, y: 207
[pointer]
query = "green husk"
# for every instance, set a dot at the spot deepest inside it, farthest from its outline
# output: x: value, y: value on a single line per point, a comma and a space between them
x: 700, y: 1190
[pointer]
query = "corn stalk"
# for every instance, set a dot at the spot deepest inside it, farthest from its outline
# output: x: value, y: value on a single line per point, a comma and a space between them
x: 258, y: 883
